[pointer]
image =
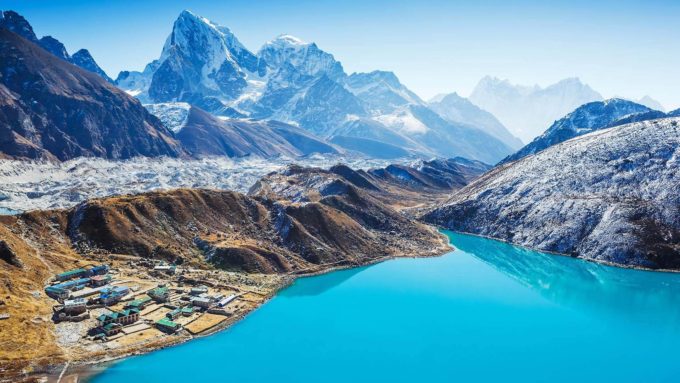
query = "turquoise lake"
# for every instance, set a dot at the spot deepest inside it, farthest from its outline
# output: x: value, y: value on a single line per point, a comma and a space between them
x: 487, y: 311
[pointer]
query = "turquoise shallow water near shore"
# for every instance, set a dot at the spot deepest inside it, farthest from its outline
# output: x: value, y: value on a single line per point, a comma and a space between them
x: 487, y: 311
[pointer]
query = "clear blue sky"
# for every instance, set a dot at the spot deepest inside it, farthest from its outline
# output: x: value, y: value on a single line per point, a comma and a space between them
x: 624, y: 48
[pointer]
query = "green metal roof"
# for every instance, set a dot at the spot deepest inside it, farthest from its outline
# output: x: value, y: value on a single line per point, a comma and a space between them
x: 167, y: 323
x: 188, y: 310
x: 139, y: 302
x: 108, y: 316
x: 129, y: 311
x: 111, y: 326
x: 115, y: 315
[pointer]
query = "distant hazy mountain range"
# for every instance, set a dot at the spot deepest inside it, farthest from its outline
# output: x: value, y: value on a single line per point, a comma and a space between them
x: 527, y: 110
x: 289, y: 80
x: 459, y: 109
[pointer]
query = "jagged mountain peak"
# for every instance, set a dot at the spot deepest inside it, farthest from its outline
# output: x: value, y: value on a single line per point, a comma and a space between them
x: 291, y: 53
x: 84, y: 59
x: 190, y: 31
x: 201, y: 62
x: 18, y: 24
x: 288, y: 41
x: 55, y: 47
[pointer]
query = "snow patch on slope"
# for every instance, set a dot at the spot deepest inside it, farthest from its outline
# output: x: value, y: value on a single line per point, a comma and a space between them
x: 402, y: 121
x: 172, y: 114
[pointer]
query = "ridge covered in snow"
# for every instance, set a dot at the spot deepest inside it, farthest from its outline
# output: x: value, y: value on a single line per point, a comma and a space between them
x: 585, y: 119
x: 610, y: 195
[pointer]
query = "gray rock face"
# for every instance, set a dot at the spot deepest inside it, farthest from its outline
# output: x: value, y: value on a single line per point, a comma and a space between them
x: 16, y: 23
x: 84, y: 59
x: 611, y: 195
x: 54, y: 46
x: 585, y: 119
x: 53, y: 109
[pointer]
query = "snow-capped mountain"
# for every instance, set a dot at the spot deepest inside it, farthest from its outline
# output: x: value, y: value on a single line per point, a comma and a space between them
x: 381, y: 91
x: 585, y: 119
x: 610, y: 195
x: 459, y: 109
x: 296, y: 82
x: 201, y: 63
x: 16, y: 23
x: 527, y: 110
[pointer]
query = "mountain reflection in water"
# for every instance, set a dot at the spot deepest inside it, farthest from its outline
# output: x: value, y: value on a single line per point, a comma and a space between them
x: 634, y: 295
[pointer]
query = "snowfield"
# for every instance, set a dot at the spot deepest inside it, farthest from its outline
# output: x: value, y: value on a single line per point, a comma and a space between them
x: 31, y: 185
x: 611, y: 195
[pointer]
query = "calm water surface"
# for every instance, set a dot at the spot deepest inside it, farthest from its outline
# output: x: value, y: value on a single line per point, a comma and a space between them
x: 487, y: 311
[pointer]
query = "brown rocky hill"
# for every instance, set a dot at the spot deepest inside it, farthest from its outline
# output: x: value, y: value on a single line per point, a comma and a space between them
x: 303, y: 221
x: 52, y: 109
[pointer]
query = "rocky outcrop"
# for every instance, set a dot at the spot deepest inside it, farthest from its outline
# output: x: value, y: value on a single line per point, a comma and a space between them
x: 8, y: 255
x: 610, y: 195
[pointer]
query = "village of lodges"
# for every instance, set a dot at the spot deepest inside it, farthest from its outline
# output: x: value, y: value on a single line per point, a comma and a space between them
x: 119, y: 309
